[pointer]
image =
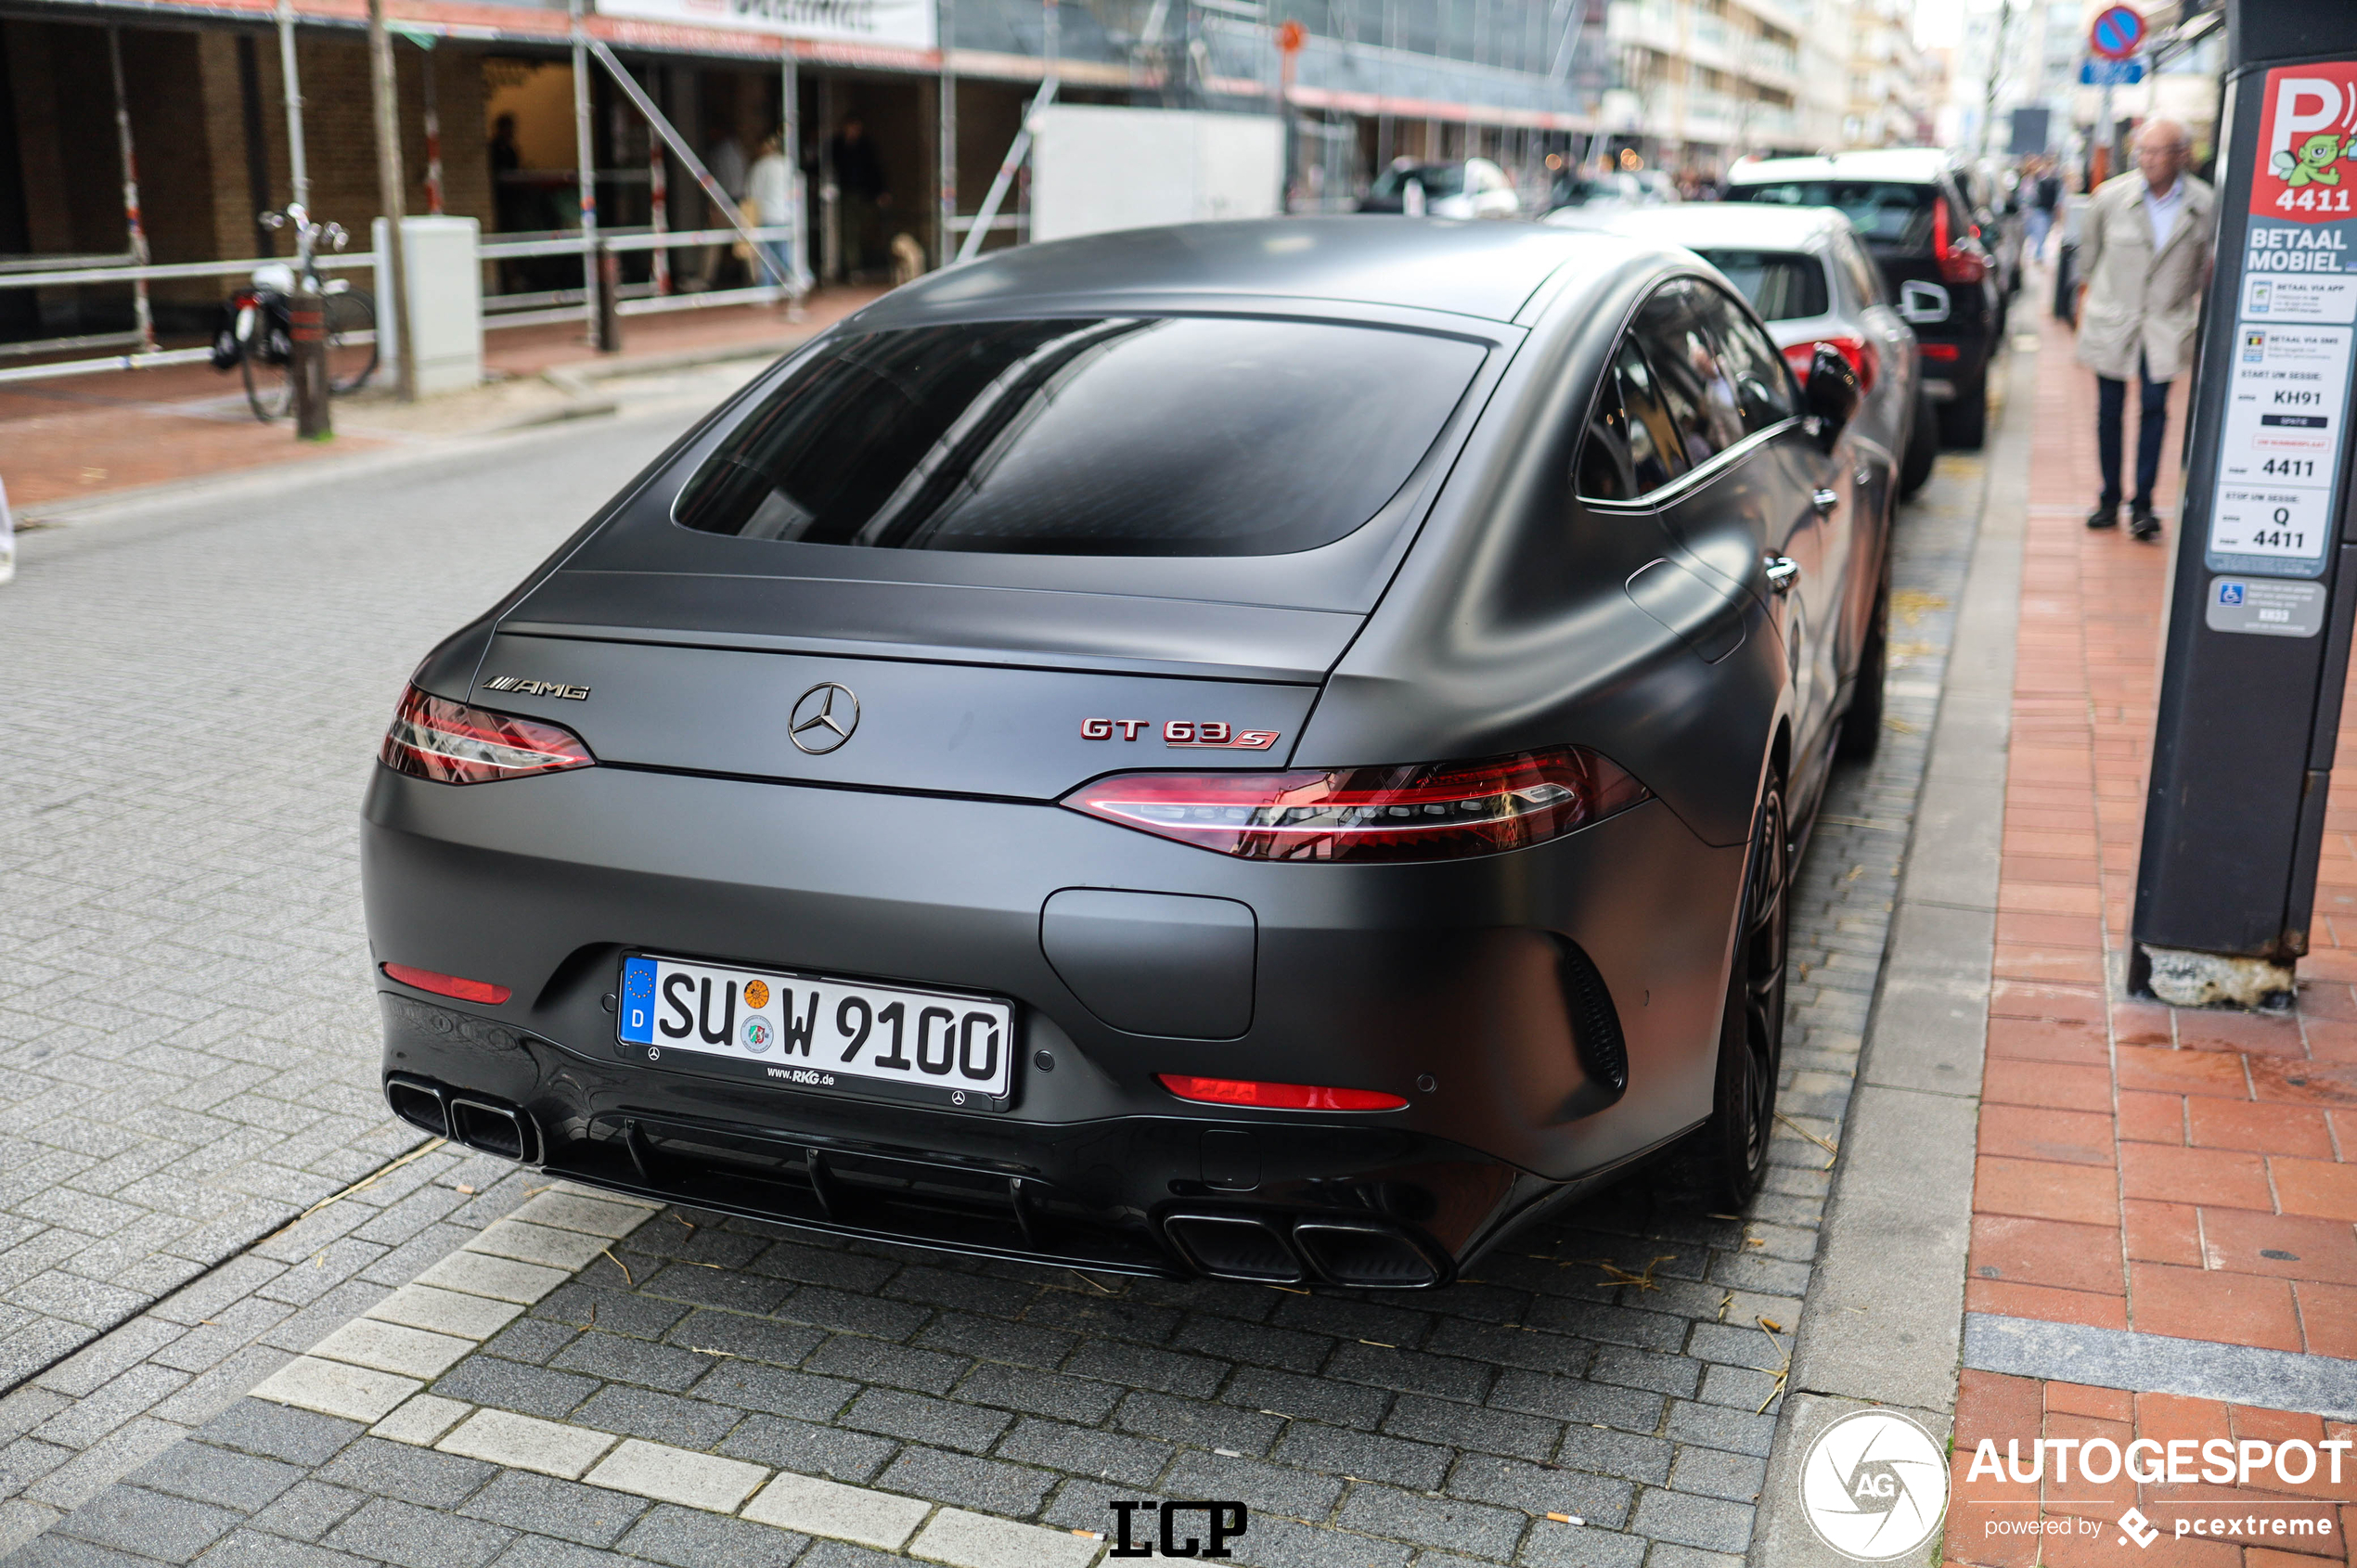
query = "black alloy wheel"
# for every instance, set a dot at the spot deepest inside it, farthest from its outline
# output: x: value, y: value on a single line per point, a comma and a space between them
x: 1733, y: 1152
x: 1862, y: 727
x: 1964, y: 422
x: 1923, y: 447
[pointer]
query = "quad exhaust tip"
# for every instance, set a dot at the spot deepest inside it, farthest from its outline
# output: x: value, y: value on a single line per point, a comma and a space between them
x: 1273, y: 1250
x: 487, y: 1125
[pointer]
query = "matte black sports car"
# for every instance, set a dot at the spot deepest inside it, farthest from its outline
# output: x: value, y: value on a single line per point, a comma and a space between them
x: 1268, y: 749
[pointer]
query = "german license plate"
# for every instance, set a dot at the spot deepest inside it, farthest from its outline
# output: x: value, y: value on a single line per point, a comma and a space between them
x: 810, y: 1031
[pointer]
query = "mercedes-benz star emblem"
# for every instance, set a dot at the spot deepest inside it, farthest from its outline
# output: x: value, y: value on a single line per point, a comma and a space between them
x: 823, y: 718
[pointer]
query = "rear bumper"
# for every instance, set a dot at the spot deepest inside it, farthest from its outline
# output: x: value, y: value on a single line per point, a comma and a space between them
x: 1166, y: 1195
x: 1383, y: 977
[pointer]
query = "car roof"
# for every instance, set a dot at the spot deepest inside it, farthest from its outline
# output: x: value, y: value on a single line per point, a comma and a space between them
x: 1918, y: 164
x: 1488, y: 270
x: 1702, y: 225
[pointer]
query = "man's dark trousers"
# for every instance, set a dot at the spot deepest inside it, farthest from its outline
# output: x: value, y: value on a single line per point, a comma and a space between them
x: 2153, y: 415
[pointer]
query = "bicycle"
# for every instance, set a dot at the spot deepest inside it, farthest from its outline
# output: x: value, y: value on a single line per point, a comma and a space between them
x: 255, y: 332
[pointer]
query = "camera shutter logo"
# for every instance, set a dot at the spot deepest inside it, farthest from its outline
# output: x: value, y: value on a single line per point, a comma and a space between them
x: 823, y: 718
x: 1874, y: 1485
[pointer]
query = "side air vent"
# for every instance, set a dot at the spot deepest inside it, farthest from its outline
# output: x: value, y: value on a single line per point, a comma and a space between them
x: 1595, y: 1023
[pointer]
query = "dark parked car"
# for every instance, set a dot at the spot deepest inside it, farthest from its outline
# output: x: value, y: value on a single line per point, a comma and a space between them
x: 1267, y: 749
x: 1913, y: 208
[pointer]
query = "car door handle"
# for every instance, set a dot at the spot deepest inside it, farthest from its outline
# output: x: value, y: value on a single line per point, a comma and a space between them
x: 1825, y: 500
x: 1783, y: 572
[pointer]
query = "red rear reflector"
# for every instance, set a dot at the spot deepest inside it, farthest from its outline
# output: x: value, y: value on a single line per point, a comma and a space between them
x: 1275, y: 1097
x: 1435, y: 811
x: 449, y: 984
x: 1944, y: 353
x: 1860, y: 353
x: 453, y: 743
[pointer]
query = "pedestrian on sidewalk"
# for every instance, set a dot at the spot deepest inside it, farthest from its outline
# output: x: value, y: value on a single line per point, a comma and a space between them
x: 2143, y: 262
x: 724, y: 159
x: 769, y: 203
x: 2046, y: 194
x: 860, y: 176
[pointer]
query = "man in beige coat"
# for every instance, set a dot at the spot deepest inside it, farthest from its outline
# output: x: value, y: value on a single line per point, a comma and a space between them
x: 2145, y: 260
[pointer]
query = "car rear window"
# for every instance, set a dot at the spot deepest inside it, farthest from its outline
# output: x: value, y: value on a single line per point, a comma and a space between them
x: 1892, y: 213
x: 1781, y: 285
x: 1095, y: 436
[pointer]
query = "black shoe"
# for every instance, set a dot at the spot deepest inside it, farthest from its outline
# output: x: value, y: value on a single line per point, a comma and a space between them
x: 2103, y: 517
x: 2142, y: 524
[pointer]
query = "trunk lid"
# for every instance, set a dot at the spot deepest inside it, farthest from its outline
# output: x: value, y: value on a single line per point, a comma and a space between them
x: 942, y: 689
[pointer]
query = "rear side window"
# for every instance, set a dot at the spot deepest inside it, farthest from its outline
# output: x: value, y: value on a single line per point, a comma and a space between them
x: 1781, y: 285
x: 1632, y: 447
x: 1748, y: 363
x: 1098, y: 436
x: 1703, y: 402
x: 1893, y: 213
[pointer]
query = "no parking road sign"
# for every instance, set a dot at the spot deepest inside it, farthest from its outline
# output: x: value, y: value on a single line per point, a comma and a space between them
x: 2118, y: 33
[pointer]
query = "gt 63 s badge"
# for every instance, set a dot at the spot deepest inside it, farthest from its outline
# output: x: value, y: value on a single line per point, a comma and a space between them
x: 1213, y: 733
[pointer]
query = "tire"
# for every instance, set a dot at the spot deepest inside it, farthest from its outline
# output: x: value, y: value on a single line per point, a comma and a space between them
x: 1730, y: 1153
x: 1923, y: 448
x: 269, y: 388
x: 1964, y: 424
x: 349, y: 312
x: 1862, y: 727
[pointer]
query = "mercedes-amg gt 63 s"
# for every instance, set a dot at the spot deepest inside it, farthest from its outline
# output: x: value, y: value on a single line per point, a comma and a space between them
x: 1269, y: 750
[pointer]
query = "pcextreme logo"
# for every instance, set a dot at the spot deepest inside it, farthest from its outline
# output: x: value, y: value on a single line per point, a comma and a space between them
x: 1874, y: 1485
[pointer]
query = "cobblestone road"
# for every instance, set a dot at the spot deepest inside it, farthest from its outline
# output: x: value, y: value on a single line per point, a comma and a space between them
x: 188, y: 1061
x: 187, y: 1037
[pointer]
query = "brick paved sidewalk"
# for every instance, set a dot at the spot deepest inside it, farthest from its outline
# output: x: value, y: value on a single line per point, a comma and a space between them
x: 2164, y: 1194
x: 78, y: 436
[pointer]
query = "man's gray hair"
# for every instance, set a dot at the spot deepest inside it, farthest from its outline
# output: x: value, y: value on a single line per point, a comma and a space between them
x: 2169, y: 130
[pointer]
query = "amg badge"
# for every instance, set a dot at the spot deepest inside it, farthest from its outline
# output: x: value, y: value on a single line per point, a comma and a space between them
x: 536, y: 688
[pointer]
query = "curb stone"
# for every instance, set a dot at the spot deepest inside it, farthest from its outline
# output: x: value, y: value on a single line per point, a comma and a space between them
x: 1883, y: 1322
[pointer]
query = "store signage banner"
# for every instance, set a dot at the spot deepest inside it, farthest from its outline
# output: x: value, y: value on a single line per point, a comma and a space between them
x: 904, y: 24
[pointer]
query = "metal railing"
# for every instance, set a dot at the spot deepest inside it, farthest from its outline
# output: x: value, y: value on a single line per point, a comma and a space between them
x: 538, y: 308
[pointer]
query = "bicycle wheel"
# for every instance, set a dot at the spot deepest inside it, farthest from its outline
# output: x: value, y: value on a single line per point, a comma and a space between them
x: 348, y: 312
x: 269, y: 388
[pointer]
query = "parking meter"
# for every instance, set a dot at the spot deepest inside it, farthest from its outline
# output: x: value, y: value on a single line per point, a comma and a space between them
x: 2266, y: 566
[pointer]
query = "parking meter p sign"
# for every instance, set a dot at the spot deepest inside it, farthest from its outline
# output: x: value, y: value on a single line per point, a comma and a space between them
x: 2288, y: 401
x: 2118, y: 33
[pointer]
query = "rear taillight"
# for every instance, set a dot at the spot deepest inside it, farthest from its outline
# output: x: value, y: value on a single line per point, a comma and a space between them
x: 449, y: 984
x: 1960, y: 258
x: 1276, y: 1096
x: 1860, y: 353
x: 1435, y: 810
x: 1944, y: 353
x: 452, y: 743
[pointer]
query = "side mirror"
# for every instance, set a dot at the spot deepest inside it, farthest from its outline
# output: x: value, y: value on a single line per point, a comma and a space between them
x: 1831, y: 397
